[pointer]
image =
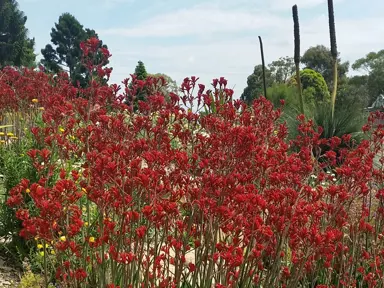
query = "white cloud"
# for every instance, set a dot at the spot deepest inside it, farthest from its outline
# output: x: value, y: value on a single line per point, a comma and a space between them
x: 197, y: 21
x: 219, y: 47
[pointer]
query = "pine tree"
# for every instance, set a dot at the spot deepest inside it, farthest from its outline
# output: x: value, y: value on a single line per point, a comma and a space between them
x: 66, y: 54
x: 140, y: 71
x: 15, y: 47
x: 141, y: 74
x: 141, y: 94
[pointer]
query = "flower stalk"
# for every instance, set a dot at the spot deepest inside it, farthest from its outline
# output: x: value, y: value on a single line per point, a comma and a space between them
x: 296, y: 28
x: 332, y: 36
x: 263, y: 65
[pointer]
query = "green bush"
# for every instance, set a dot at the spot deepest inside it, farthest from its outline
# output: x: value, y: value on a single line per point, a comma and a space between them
x: 31, y: 280
x: 14, y: 166
x: 315, y: 89
x: 348, y: 119
x: 285, y: 92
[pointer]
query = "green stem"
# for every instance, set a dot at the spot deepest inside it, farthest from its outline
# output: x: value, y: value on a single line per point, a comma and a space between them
x: 299, y: 89
x: 45, y: 265
x: 102, y: 266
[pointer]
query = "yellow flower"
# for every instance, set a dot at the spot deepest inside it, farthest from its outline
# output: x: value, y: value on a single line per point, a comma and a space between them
x: 275, y: 132
x: 40, y: 246
x: 2, y: 141
x: 84, y: 190
x: 36, y: 238
x: 86, y: 224
x: 41, y: 108
x: 62, y: 238
x: 91, y: 239
x: 14, y: 137
x: 27, y: 191
x: 53, y: 252
x: 35, y: 100
x: 2, y: 134
x: 10, y: 134
x: 41, y: 253
x: 84, y: 209
x: 72, y: 137
x: 61, y: 130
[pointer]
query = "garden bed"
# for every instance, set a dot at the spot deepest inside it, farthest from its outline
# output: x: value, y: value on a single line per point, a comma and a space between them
x: 9, y: 275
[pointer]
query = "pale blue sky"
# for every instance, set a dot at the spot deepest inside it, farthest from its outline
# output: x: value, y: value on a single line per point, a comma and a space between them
x: 212, y: 38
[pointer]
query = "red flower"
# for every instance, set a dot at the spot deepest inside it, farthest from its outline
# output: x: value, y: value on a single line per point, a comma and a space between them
x: 80, y: 274
x: 140, y: 232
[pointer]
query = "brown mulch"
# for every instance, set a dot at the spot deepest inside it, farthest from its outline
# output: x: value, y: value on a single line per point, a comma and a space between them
x: 9, y: 276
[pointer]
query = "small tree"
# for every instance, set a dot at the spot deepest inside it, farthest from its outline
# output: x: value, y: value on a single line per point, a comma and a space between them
x: 141, y: 74
x: 141, y: 94
x: 140, y: 71
x: 282, y: 69
x: 169, y: 87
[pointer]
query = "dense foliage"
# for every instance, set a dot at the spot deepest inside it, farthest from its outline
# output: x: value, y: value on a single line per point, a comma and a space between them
x: 319, y: 58
x: 373, y: 66
x: 254, y: 87
x: 15, y: 46
x: 315, y: 90
x: 67, y: 35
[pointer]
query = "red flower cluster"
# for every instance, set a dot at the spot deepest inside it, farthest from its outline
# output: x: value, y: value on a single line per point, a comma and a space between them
x: 166, y: 195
